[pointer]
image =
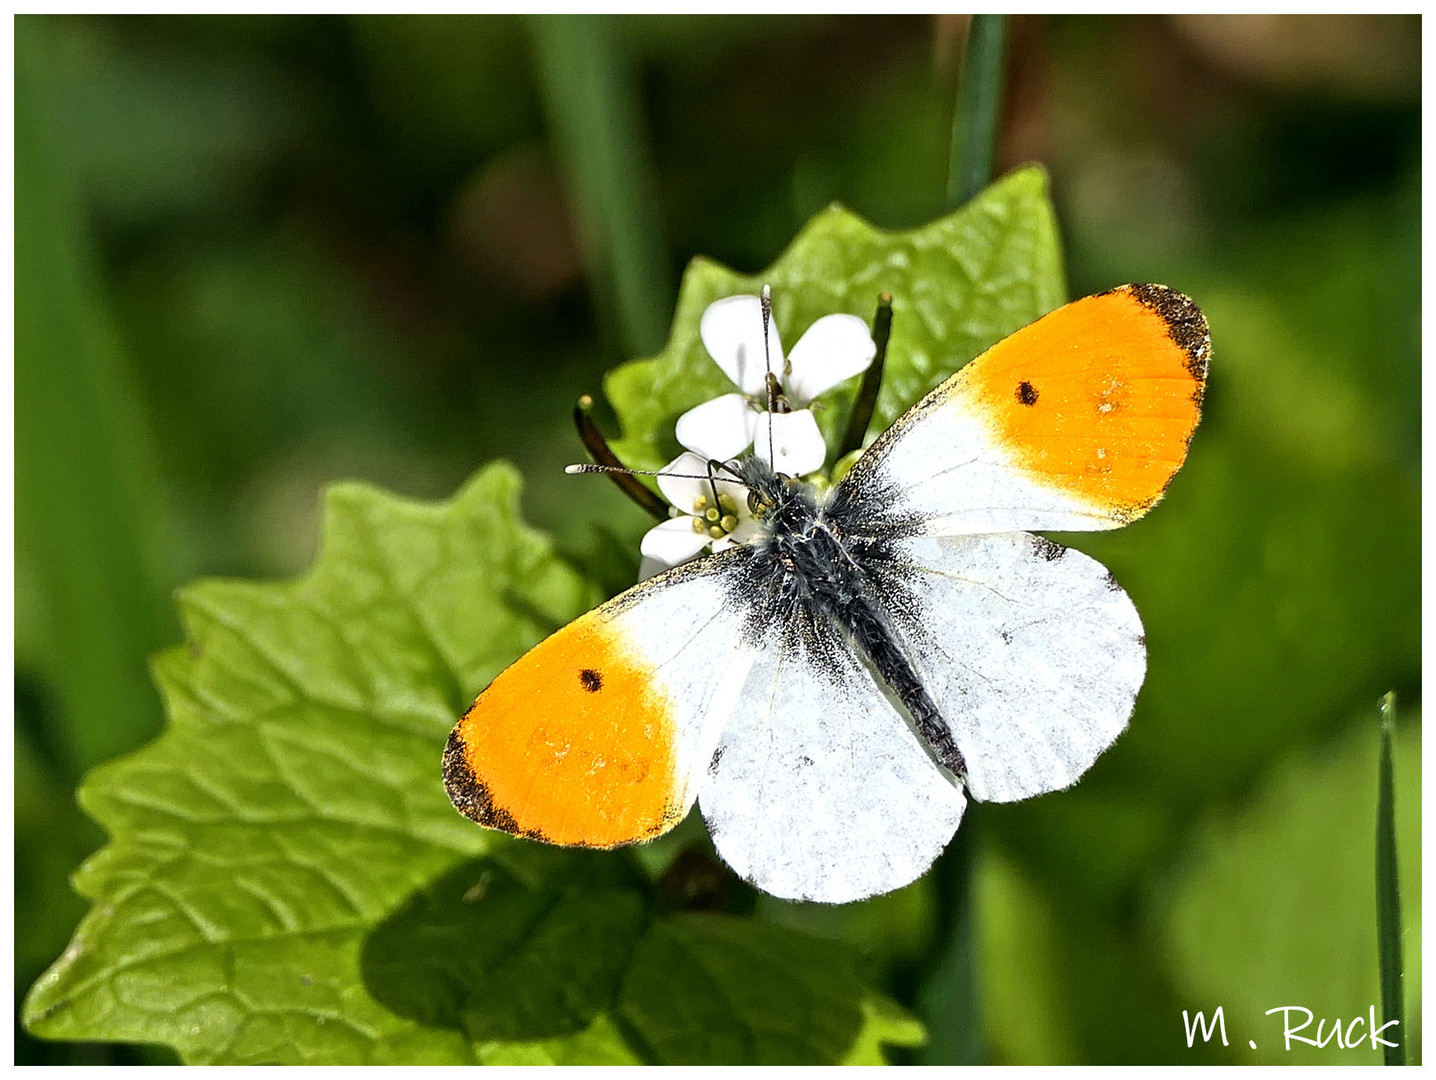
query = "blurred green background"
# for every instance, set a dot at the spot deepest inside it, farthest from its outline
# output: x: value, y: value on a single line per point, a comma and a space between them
x: 256, y: 255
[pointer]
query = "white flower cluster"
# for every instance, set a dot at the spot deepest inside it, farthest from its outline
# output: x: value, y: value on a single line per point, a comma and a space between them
x: 712, y: 513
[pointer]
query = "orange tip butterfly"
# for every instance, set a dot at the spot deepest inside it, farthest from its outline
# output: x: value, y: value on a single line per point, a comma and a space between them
x: 832, y: 692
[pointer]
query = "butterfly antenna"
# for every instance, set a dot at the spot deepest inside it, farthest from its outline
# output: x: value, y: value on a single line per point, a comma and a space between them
x: 584, y: 467
x: 728, y: 468
x: 713, y: 466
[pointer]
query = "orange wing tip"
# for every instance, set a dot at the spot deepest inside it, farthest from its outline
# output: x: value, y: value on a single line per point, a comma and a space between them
x: 1098, y: 399
x: 1186, y: 327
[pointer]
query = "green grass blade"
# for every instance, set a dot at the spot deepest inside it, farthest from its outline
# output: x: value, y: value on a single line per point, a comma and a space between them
x: 595, y: 120
x: 1388, y: 889
x: 979, y: 101
x: 87, y: 520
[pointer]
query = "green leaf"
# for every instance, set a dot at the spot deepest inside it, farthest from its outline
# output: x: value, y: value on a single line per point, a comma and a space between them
x: 526, y: 945
x: 708, y: 989
x: 286, y: 880
x: 958, y: 284
x: 295, y: 799
x: 884, y: 1024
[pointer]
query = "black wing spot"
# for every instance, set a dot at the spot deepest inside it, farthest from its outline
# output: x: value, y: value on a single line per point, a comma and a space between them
x: 592, y: 681
x: 806, y: 760
x: 713, y: 764
x: 1026, y: 393
x: 1006, y: 636
x: 1048, y: 549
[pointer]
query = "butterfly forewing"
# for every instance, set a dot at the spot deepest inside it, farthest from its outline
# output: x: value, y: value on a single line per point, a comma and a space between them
x: 1078, y: 421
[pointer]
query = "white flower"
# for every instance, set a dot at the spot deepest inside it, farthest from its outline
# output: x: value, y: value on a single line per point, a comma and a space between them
x: 836, y: 347
x: 709, y: 512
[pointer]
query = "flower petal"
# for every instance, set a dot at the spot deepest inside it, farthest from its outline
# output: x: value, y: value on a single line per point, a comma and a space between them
x: 693, y: 483
x: 797, y: 444
x: 668, y: 544
x: 683, y: 489
x: 732, y: 332
x: 836, y: 347
x: 721, y: 428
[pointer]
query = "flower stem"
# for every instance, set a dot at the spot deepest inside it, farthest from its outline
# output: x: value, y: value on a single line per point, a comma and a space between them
x: 947, y: 997
x: 1388, y: 890
x: 867, y: 398
x: 596, y: 123
x: 979, y: 102
x: 598, y: 449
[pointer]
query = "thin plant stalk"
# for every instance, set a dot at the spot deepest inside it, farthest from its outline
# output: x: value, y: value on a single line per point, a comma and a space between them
x: 947, y: 999
x: 867, y: 399
x: 88, y: 524
x: 598, y: 448
x: 1388, y: 891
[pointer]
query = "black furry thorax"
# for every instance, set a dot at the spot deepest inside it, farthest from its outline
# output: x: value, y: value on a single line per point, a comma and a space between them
x: 816, y: 556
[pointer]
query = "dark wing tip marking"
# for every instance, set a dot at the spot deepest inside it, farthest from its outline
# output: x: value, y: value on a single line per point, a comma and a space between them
x: 468, y: 793
x: 472, y: 798
x: 1026, y: 393
x: 1126, y: 513
x: 1186, y: 326
x: 1048, y: 549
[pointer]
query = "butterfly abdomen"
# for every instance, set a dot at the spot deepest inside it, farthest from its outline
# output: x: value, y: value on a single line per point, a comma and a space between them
x: 815, y: 585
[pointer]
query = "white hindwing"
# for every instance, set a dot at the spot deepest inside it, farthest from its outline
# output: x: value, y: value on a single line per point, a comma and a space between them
x: 1031, y: 651
x: 819, y: 790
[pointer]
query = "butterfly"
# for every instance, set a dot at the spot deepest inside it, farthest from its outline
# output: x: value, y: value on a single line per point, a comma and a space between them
x: 832, y: 692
